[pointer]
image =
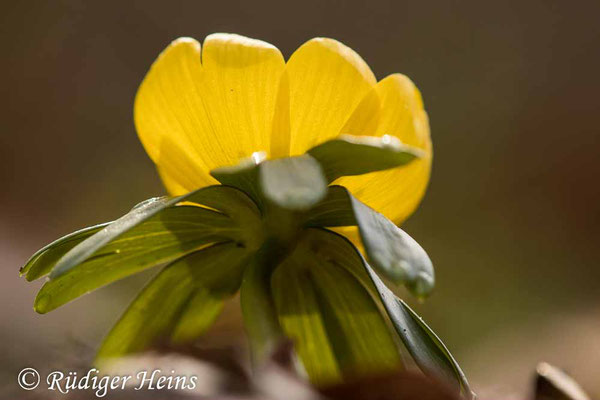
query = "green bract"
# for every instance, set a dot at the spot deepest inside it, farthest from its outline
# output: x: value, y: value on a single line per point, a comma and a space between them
x: 264, y: 232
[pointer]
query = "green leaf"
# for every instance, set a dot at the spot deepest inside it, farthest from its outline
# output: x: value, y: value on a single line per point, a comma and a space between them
x: 86, y: 248
x: 426, y: 348
x: 180, y: 303
x: 228, y: 200
x: 392, y: 251
x: 148, y: 202
x: 302, y: 321
x: 162, y: 238
x: 233, y: 203
x: 44, y: 259
x: 201, y: 311
x: 428, y: 351
x: 356, y: 155
x: 328, y: 313
x: 359, y: 335
x: 294, y: 183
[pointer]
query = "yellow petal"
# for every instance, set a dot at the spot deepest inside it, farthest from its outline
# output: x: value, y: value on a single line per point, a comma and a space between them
x: 193, y: 117
x: 241, y: 86
x: 164, y: 119
x: 397, y: 192
x: 365, y: 117
x: 280, y: 134
x: 327, y: 81
x: 173, y: 187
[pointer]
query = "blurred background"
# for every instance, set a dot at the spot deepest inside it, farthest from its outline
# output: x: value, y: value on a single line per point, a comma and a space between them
x: 512, y: 212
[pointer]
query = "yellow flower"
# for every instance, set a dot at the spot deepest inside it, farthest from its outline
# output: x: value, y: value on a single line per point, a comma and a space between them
x: 199, y: 109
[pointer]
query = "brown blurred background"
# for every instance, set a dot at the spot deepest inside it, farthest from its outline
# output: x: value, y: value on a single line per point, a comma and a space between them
x: 510, y: 219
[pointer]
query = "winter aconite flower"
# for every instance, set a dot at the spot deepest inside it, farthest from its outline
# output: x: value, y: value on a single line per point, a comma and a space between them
x: 266, y: 162
x: 203, y: 107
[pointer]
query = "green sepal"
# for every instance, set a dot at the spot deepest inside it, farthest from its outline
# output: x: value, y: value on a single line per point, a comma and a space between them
x: 349, y: 155
x: 293, y: 183
x: 244, y: 176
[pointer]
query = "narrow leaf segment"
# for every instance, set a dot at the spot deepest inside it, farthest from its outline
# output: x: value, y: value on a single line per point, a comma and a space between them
x: 393, y: 252
x: 428, y: 351
x: 180, y: 303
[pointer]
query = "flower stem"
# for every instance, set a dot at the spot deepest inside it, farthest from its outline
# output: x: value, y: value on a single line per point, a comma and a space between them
x: 258, y: 308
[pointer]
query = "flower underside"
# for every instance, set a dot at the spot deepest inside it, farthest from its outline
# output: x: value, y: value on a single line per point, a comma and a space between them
x: 266, y: 232
x: 330, y: 154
